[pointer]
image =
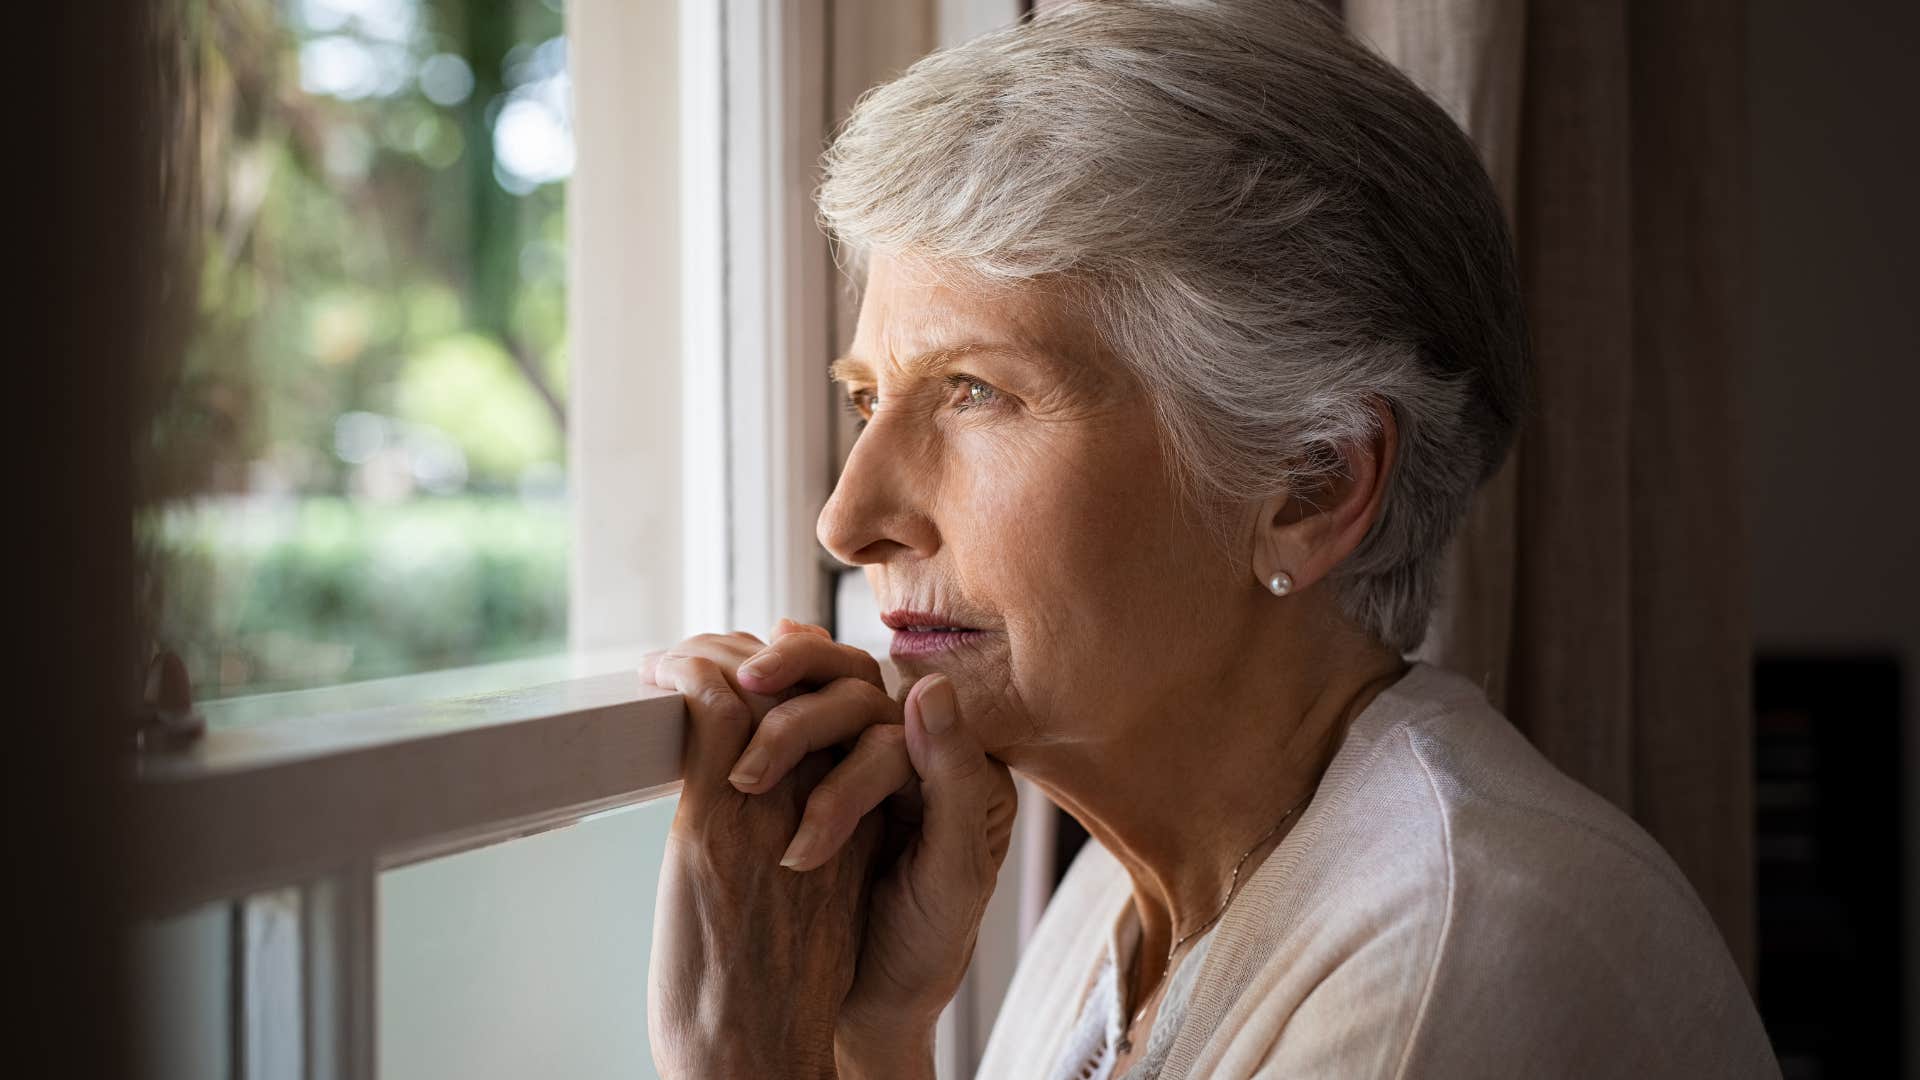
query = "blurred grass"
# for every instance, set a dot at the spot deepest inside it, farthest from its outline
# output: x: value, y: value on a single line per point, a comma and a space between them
x: 287, y: 593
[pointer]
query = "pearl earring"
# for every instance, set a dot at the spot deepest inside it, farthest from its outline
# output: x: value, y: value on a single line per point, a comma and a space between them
x: 1280, y: 584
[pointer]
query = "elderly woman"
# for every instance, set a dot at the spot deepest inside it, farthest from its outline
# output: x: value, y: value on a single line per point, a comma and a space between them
x: 1188, y: 331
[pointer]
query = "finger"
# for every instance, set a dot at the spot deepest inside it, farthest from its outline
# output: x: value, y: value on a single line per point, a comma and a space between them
x: 876, y: 769
x: 806, y: 657
x: 792, y: 626
x: 834, y: 714
x: 967, y: 798
x: 718, y: 722
x: 726, y: 650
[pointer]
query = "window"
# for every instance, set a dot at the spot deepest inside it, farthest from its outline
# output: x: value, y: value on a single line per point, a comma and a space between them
x: 361, y: 467
x: 451, y: 873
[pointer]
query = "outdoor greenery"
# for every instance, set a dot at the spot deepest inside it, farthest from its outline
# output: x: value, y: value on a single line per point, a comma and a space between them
x: 359, y: 467
x: 316, y: 590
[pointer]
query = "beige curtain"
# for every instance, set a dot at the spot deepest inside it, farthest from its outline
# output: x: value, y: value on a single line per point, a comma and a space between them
x: 1598, y: 589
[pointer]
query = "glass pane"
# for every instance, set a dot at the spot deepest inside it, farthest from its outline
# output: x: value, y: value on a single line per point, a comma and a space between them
x: 183, y: 994
x: 360, y: 463
x: 527, y: 958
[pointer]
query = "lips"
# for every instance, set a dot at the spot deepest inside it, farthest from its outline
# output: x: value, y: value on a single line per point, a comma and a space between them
x: 928, y: 633
x: 923, y: 622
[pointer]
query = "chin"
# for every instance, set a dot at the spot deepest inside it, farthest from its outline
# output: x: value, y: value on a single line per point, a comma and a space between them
x: 983, y: 680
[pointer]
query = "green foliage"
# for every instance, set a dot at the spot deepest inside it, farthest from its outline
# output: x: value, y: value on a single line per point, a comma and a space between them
x: 466, y: 385
x: 365, y: 265
x: 280, y: 595
x: 352, y: 237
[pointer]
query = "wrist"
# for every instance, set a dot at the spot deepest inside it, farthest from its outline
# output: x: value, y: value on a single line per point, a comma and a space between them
x: 867, y: 1053
x: 753, y: 1063
x: 800, y: 1051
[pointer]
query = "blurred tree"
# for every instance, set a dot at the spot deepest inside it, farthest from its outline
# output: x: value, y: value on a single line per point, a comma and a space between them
x: 489, y: 33
x: 335, y: 224
x: 380, y: 316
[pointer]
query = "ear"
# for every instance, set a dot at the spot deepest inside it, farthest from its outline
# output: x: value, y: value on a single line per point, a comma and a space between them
x: 1308, y: 533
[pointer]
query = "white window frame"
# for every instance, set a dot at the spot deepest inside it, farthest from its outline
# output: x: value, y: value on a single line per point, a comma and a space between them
x: 327, y: 800
x: 672, y: 491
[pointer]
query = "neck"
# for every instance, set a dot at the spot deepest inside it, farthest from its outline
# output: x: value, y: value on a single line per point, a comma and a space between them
x: 1179, y: 803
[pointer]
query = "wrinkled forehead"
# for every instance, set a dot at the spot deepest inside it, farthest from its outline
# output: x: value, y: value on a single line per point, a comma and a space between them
x: 912, y: 308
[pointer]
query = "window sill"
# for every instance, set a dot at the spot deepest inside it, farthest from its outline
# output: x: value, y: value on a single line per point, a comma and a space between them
x: 292, y: 787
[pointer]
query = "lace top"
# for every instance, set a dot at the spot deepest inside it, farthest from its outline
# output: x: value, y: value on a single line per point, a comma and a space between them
x: 1093, y: 1046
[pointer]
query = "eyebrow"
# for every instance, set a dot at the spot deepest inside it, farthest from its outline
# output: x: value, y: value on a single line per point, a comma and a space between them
x: 852, y: 369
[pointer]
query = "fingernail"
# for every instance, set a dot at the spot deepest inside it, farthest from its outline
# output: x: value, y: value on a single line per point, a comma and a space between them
x: 750, y: 768
x: 763, y: 666
x: 802, y: 846
x: 936, y: 706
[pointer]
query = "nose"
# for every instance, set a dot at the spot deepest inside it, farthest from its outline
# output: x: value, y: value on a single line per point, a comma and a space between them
x: 879, y: 510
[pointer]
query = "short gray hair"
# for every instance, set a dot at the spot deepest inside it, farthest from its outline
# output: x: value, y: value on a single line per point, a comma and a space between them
x: 1269, y: 224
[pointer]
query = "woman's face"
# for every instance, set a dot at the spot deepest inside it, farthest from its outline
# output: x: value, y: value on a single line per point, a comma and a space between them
x: 1009, y: 485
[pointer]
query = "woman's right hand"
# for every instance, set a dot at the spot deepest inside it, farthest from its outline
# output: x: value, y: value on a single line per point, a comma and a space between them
x: 949, y: 810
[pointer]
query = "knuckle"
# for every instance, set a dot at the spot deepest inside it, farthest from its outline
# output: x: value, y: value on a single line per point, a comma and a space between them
x: 774, y: 732
x: 780, y: 720
x: 884, y: 736
x: 863, y: 662
x: 841, y: 689
x: 858, y: 693
x: 719, y: 702
x: 800, y: 648
x: 827, y: 806
x: 967, y: 768
x: 853, y: 686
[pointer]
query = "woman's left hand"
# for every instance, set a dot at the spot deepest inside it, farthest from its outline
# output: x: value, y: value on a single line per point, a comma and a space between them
x: 751, y: 961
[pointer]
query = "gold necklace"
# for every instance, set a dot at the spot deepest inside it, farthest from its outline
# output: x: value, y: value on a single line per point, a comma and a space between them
x: 1126, y: 1037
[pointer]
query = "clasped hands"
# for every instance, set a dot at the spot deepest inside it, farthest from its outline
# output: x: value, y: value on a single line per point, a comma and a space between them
x: 828, y: 865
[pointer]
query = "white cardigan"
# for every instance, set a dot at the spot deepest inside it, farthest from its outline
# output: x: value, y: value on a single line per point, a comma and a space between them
x: 1448, y: 905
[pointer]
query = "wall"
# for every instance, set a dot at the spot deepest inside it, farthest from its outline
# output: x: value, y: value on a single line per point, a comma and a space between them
x: 1835, y: 379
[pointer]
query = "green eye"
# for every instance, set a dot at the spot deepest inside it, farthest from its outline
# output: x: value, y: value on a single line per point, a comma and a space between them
x: 971, y: 392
